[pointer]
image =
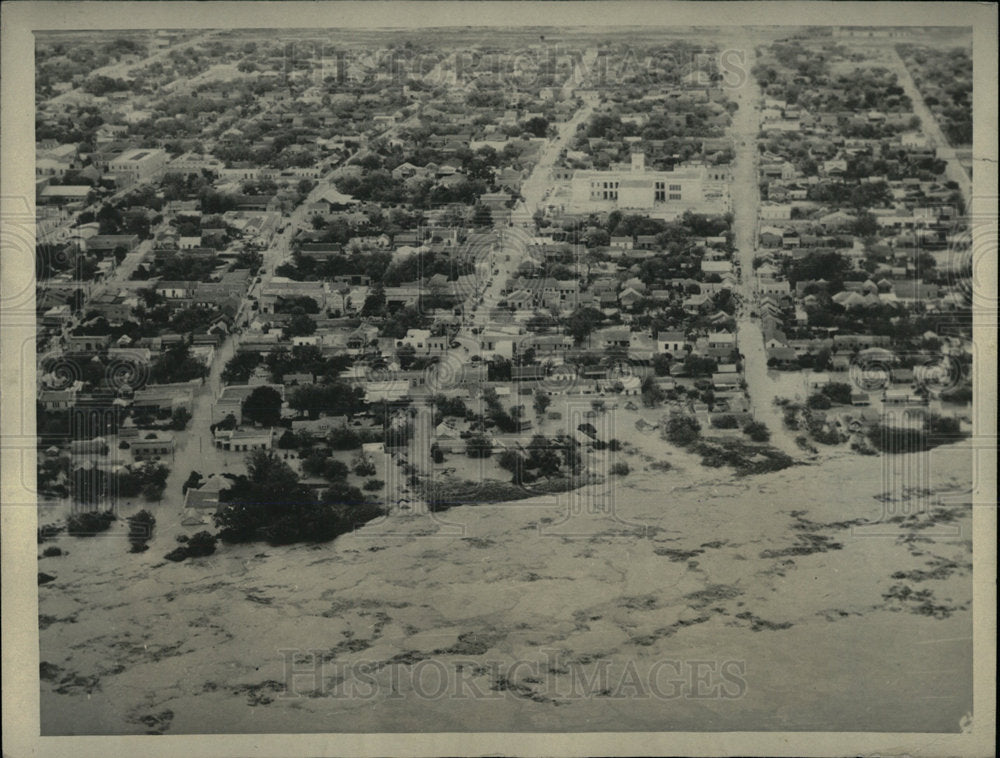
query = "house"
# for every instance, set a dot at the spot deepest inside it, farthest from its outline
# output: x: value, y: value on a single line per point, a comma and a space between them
x: 243, y: 440
x: 724, y: 340
x: 782, y: 358
x: 155, y: 445
x: 163, y: 397
x: 629, y: 297
x: 725, y: 381
x: 83, y: 343
x: 390, y: 391
x: 55, y: 400
x: 672, y: 343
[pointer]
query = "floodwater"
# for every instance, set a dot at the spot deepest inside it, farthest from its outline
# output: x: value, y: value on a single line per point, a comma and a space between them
x: 805, y: 599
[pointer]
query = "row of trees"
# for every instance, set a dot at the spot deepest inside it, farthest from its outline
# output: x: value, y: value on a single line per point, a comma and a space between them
x: 270, y: 503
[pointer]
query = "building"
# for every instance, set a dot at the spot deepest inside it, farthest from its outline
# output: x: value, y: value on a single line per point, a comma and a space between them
x: 660, y: 193
x: 157, y: 445
x: 243, y: 440
x: 136, y: 166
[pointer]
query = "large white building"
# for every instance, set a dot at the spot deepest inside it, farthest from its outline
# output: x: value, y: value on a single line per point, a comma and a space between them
x: 135, y: 166
x: 665, y: 194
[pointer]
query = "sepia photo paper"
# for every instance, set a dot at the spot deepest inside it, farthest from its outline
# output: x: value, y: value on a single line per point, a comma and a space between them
x: 498, y: 378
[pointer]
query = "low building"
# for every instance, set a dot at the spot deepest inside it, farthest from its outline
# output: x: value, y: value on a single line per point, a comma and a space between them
x: 156, y: 445
x: 243, y: 440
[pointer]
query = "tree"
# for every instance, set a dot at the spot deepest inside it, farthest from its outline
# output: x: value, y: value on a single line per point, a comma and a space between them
x: 375, y: 301
x: 300, y: 326
x: 482, y: 216
x: 179, y: 419
x: 263, y: 406
x: 513, y: 462
x: 661, y: 364
x: 478, y: 446
x: 681, y: 429
x: 227, y: 424
x: 818, y: 401
x: 581, y: 322
x: 541, y: 402
x: 406, y: 354
x: 757, y: 431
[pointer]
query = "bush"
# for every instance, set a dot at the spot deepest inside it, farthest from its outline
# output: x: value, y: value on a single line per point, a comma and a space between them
x: 958, y: 395
x: 193, y: 480
x: 725, y: 421
x: 838, y: 392
x: 620, y: 469
x: 140, y: 529
x: 365, y: 468
x: 757, y: 431
x: 681, y: 429
x: 51, y: 552
x: 819, y: 402
x: 47, y: 532
x: 200, y: 544
x: 90, y: 523
x: 344, y: 439
x: 478, y: 446
x: 372, y: 485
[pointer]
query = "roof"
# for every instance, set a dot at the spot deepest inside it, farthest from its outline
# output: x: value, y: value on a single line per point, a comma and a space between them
x: 67, y: 190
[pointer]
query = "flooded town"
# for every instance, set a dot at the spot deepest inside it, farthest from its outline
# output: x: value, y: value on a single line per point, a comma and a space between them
x: 528, y: 379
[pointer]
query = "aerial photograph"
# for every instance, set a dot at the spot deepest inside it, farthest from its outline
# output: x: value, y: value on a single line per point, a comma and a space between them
x: 522, y: 379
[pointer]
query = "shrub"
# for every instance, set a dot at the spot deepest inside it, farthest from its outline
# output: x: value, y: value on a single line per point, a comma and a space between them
x: 52, y: 552
x: 140, y: 529
x: 90, y: 523
x: 344, y: 439
x: 757, y: 431
x: 725, y: 421
x: 193, y: 480
x: 681, y: 429
x: 373, y: 484
x: 958, y: 395
x: 819, y: 402
x: 202, y: 543
x: 838, y: 392
x: 365, y: 468
x: 478, y: 446
x: 47, y: 532
x: 620, y: 469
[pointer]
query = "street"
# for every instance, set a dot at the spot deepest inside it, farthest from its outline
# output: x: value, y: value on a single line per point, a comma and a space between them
x: 746, y: 201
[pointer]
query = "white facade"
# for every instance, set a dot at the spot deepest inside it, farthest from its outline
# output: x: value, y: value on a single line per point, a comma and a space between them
x: 137, y: 166
x: 667, y: 193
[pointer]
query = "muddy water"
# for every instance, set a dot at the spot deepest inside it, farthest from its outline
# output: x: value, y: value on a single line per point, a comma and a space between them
x: 689, y: 601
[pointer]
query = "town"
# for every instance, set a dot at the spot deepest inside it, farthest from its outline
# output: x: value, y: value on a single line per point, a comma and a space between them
x: 304, y: 295
x: 378, y: 268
